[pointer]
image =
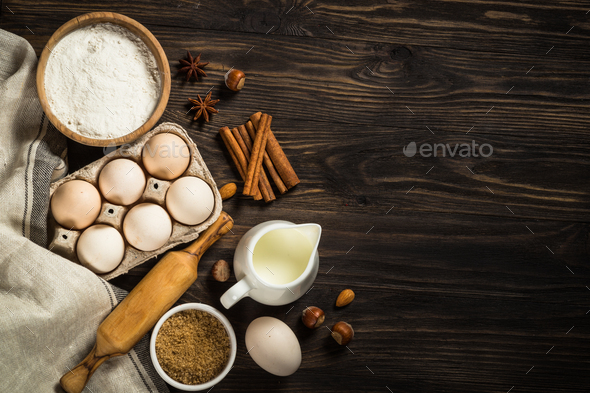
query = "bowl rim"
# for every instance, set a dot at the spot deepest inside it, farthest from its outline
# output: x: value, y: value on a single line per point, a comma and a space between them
x: 228, y: 328
x: 141, y: 32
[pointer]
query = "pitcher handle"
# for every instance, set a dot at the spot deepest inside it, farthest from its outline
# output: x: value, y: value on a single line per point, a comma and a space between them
x: 236, y: 293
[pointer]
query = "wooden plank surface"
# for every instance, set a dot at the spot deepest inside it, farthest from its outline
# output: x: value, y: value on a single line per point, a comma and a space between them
x: 468, y: 271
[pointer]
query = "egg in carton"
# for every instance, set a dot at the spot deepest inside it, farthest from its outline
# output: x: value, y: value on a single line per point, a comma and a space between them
x: 64, y: 240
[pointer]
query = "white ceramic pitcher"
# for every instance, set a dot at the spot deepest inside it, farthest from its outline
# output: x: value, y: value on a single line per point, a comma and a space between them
x: 267, y: 247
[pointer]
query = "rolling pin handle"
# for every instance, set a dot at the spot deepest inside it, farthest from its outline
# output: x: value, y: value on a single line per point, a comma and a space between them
x: 75, y: 380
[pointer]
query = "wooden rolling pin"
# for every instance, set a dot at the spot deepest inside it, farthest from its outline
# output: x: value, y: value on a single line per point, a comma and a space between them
x: 145, y: 305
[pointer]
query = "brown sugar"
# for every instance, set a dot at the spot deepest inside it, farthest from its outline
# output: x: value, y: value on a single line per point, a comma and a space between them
x: 192, y: 347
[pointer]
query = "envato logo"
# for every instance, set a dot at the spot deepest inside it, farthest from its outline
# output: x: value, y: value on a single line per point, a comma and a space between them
x: 462, y: 150
x: 168, y: 150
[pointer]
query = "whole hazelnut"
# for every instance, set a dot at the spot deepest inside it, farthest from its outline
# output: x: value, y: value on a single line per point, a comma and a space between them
x: 342, y: 332
x: 234, y: 79
x: 220, y: 270
x: 313, y: 317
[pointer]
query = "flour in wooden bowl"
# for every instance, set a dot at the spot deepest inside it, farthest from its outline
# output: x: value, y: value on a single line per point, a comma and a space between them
x: 102, y: 81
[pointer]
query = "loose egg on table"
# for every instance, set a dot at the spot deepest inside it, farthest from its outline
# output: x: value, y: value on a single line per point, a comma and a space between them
x: 190, y: 200
x: 147, y: 226
x: 75, y: 204
x: 121, y: 182
x: 273, y: 346
x: 100, y: 248
x: 166, y: 156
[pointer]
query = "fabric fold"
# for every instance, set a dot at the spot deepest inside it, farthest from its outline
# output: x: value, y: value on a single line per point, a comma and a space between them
x: 50, y: 307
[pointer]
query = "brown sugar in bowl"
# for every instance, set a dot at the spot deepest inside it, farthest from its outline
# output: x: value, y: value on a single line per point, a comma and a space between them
x: 232, y: 347
x: 140, y: 31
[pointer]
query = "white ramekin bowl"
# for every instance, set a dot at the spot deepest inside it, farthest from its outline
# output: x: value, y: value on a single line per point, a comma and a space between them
x: 232, y: 343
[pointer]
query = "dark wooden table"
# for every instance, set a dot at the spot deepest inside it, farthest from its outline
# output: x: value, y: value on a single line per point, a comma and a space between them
x: 471, y: 273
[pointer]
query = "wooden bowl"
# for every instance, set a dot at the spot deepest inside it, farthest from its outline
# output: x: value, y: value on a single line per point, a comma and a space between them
x: 137, y: 29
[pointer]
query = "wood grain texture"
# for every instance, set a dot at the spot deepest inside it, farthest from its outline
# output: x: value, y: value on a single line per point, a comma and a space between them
x: 461, y: 266
x: 507, y: 26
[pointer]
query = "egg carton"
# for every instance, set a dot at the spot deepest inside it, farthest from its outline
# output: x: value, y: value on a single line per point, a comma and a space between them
x: 63, y: 240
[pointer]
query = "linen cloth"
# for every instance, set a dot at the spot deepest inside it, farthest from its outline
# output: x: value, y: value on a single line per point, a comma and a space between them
x: 50, y: 307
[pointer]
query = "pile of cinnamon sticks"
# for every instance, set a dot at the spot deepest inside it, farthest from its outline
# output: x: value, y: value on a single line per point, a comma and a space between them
x: 252, y: 144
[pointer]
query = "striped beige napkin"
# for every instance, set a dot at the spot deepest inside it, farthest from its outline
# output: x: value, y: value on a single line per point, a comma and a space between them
x: 50, y: 307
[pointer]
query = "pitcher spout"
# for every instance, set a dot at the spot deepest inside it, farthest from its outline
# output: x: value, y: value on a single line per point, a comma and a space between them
x: 313, y: 232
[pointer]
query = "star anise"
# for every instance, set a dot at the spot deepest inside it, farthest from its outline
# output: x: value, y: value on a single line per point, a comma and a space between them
x: 204, y: 107
x: 192, y: 66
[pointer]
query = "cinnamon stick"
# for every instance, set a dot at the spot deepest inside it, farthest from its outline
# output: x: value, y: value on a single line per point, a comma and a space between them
x: 253, y: 173
x: 245, y: 149
x: 277, y: 155
x: 237, y: 156
x: 248, y: 130
x: 263, y: 184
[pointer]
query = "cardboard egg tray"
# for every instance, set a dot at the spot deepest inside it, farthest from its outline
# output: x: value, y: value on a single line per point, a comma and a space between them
x: 63, y: 240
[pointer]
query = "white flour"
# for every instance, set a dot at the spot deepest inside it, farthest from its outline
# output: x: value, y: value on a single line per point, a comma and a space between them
x: 102, y: 81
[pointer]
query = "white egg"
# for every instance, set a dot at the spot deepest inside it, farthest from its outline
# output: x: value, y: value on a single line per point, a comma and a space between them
x: 147, y: 226
x: 190, y: 200
x: 273, y: 346
x: 100, y: 248
x: 121, y: 182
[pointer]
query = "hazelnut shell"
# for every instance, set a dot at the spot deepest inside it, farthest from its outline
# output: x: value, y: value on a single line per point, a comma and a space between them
x: 313, y: 317
x: 343, y: 333
x: 235, y: 79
